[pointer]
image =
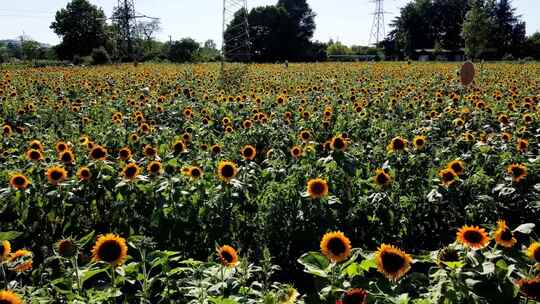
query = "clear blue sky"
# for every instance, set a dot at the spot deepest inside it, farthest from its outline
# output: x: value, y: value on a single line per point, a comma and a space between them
x: 349, y: 21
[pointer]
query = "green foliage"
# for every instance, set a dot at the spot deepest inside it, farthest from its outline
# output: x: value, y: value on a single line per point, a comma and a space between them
x: 184, y: 50
x: 100, y: 56
x: 476, y: 29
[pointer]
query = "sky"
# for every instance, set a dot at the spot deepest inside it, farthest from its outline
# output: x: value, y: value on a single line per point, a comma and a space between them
x: 349, y: 21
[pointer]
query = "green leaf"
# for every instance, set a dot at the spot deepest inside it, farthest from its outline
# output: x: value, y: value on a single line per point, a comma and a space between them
x: 368, y: 264
x: 9, y: 235
x: 88, y: 274
x: 315, y: 263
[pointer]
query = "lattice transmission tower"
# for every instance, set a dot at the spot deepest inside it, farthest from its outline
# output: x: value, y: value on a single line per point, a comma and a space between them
x: 125, y: 17
x: 377, y: 29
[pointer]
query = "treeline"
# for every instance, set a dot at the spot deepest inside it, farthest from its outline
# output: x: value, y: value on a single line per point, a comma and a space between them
x: 488, y: 29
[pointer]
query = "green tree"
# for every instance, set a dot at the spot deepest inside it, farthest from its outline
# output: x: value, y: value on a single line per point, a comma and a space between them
x: 183, y: 50
x: 476, y: 29
x: 208, y: 52
x: 337, y: 48
x: 81, y: 26
x: 31, y: 49
x: 296, y: 35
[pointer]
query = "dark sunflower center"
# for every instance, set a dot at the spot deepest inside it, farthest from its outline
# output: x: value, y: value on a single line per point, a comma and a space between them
x: 398, y: 144
x: 506, y: 235
x: 1, y: 249
x: 531, y: 289
x: 448, y: 176
x: 5, y: 302
x: 109, y: 251
x: 34, y: 155
x: 227, y: 171
x: 419, y: 142
x: 449, y: 255
x: 150, y: 151
x: 124, y: 154
x: 248, y: 152
x: 225, y: 255
x: 456, y: 167
x: 392, y: 262
x: 356, y: 297
x: 296, y: 151
x: 19, y: 180
x: 382, y: 178
x: 473, y: 237
x: 179, y: 147
x: 305, y: 135
x: 517, y: 171
x: 85, y: 173
x: 195, y: 173
x: 154, y: 168
x: 130, y: 171
x: 62, y: 147
x: 338, y: 143
x: 56, y: 175
x: 98, y: 153
x: 536, y: 255
x: 66, y: 157
x: 336, y: 246
x: 317, y: 188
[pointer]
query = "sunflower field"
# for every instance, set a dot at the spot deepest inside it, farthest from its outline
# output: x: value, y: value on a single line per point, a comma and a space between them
x: 312, y: 183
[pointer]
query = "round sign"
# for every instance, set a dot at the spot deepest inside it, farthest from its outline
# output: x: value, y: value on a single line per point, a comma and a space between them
x: 467, y: 73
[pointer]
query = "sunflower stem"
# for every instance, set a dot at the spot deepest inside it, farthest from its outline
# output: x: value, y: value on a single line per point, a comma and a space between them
x: 223, y: 280
x: 77, y: 278
x: 4, y: 276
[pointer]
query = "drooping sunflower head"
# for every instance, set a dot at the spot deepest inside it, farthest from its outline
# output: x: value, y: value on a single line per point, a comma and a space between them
x: 66, y: 248
x: 21, y: 260
x: 392, y: 262
x: 131, y: 171
x: 338, y: 144
x: 248, y: 152
x: 154, y: 167
x: 19, y: 181
x: 110, y: 248
x: 296, y: 151
x: 5, y: 250
x: 447, y: 254
x: 36, y: 145
x: 503, y: 235
x: 458, y: 166
x: 67, y: 157
x: 397, y: 144
x: 227, y: 255
x: 518, y: 172
x: 9, y: 297
x: 448, y: 177
x: 472, y: 237
x: 533, y: 251
x: 419, y: 142
x: 227, y: 170
x: 56, y: 175
x: 98, y: 153
x: 530, y: 288
x: 522, y: 145
x: 336, y: 246
x: 317, y: 188
x: 382, y: 178
x: 84, y: 173
x: 195, y: 172
x: 354, y: 296
x: 34, y: 154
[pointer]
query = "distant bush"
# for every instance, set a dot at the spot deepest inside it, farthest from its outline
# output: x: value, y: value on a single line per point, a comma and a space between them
x: 100, y: 56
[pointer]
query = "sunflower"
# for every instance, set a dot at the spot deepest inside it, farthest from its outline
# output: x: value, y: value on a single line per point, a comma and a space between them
x: 382, y: 178
x: 458, y: 166
x: 503, y: 235
x: 195, y: 172
x: 518, y: 172
x: 66, y: 248
x: 473, y: 237
x: 131, y: 171
x: 392, y: 262
x: 247, y: 123
x: 110, y: 248
x: 98, y: 153
x: 530, y: 288
x: 354, y: 296
x: 19, y: 181
x: 56, y: 175
x: 533, y: 251
x: 397, y: 144
x: 36, y: 145
x: 419, y: 142
x: 448, y: 177
x: 21, y: 260
x: 248, y: 152
x: 305, y: 135
x: 149, y: 151
x: 317, y: 188
x: 216, y: 149
x: 154, y: 167
x: 61, y: 147
x: 447, y: 254
x: 296, y: 151
x: 288, y: 296
x: 522, y: 145
x: 34, y: 154
x: 506, y: 136
x: 336, y: 246
x: 227, y: 255
x: 84, y: 173
x: 338, y: 143
x: 226, y: 170
x: 179, y: 146
x: 5, y: 250
x: 67, y: 157
x: 9, y: 297
x: 124, y: 153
